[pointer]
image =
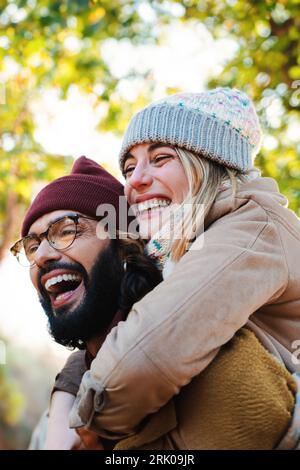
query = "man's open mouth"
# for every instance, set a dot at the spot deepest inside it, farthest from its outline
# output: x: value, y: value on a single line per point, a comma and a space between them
x: 62, y: 286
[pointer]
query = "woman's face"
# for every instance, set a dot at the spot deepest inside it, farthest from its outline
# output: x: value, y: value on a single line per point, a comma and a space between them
x: 155, y: 181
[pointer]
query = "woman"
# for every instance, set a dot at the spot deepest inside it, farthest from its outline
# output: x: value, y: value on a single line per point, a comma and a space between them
x: 198, y: 150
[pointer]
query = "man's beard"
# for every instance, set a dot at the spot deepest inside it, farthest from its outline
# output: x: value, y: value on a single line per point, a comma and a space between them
x: 99, y: 305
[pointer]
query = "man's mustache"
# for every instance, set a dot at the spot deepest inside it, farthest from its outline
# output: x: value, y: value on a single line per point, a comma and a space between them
x: 52, y: 265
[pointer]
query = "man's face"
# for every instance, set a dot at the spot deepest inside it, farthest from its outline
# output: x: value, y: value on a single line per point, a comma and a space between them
x: 75, y: 285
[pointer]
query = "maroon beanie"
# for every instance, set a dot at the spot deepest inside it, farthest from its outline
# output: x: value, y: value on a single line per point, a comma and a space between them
x: 88, y: 186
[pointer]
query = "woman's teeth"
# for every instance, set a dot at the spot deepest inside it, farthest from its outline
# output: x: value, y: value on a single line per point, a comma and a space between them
x: 150, y: 204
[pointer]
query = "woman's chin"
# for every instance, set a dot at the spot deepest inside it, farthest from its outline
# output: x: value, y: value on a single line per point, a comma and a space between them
x: 150, y: 224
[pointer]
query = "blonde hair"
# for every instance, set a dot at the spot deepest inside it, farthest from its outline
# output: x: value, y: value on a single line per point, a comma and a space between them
x: 205, y: 178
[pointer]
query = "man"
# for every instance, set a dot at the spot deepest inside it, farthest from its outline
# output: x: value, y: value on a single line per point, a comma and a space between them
x: 79, y: 268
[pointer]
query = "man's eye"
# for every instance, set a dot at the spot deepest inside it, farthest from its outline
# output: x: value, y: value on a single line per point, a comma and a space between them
x: 70, y: 231
x: 31, y: 249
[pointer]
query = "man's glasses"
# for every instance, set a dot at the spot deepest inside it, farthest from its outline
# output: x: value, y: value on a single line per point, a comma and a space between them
x: 60, y: 235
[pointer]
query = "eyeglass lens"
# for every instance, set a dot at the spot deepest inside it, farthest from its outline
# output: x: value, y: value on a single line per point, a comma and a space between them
x: 60, y: 235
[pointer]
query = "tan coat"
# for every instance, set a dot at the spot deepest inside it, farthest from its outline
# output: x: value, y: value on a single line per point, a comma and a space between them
x: 248, y: 267
x: 243, y: 400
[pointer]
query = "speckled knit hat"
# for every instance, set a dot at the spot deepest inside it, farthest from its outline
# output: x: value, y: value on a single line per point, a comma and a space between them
x: 220, y: 124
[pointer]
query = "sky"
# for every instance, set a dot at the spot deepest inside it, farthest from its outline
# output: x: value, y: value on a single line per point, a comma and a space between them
x: 186, y: 58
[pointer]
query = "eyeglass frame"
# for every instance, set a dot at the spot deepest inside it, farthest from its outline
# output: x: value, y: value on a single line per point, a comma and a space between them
x: 43, y: 235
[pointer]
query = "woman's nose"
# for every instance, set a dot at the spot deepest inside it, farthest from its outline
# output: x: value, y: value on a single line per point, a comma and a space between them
x: 140, y: 178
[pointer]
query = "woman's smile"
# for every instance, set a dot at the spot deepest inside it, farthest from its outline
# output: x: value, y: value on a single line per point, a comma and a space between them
x: 155, y: 181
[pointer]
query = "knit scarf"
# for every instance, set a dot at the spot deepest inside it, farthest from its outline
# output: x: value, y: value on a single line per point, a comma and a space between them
x: 159, y: 247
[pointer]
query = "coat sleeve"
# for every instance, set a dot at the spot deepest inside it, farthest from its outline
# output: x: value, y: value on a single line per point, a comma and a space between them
x: 69, y: 378
x: 175, y: 331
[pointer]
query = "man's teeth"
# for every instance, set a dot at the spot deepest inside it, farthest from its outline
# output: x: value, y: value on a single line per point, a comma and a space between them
x: 151, y: 204
x: 63, y: 277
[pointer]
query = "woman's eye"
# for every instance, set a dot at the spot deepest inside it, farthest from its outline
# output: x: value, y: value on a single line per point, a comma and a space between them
x: 161, y: 158
x: 128, y: 171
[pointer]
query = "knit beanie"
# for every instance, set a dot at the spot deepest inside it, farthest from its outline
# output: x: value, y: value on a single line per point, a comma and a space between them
x: 220, y: 124
x: 88, y: 186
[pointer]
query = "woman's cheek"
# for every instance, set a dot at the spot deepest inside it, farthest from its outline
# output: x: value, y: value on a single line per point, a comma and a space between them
x: 127, y: 192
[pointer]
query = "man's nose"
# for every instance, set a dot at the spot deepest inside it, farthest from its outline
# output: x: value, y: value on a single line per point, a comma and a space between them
x: 46, y: 253
x: 140, y: 178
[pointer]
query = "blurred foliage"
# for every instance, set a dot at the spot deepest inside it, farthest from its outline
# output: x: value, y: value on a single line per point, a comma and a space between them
x: 49, y: 44
x: 56, y: 44
x: 26, y: 380
x: 11, y: 400
x: 267, y: 66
